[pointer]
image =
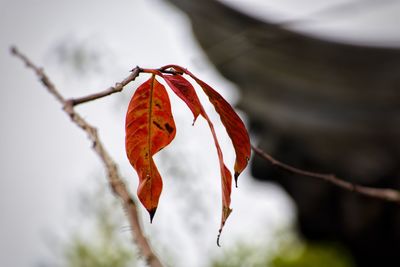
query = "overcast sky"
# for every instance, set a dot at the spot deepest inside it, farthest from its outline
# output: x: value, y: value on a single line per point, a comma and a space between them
x: 46, y: 161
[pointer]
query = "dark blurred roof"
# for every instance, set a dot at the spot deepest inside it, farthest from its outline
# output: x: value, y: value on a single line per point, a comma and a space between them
x: 332, y: 81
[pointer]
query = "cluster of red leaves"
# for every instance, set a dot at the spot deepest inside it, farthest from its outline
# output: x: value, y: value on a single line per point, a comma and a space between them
x: 150, y: 127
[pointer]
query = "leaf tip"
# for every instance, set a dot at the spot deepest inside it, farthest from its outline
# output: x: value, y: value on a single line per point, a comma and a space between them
x: 152, y: 212
x: 218, y: 237
x: 226, y: 211
x: 236, y: 178
x: 194, y: 120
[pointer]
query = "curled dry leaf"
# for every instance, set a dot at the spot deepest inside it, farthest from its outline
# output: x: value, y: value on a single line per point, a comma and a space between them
x: 230, y: 119
x: 187, y: 93
x: 150, y: 127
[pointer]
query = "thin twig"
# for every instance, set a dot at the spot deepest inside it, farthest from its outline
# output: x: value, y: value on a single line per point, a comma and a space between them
x: 118, y: 86
x: 390, y: 195
x: 111, y: 90
x: 114, y: 178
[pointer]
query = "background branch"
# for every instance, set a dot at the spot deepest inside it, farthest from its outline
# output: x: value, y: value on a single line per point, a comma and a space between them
x: 114, y: 178
x: 390, y: 195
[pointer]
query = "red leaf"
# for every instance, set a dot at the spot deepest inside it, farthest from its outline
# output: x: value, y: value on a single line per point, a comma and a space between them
x: 149, y: 128
x: 232, y: 122
x: 226, y: 181
x: 233, y: 125
x: 187, y: 93
x: 226, y: 178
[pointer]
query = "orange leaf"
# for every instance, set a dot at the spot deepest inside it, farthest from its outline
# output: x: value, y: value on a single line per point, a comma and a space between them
x: 149, y: 128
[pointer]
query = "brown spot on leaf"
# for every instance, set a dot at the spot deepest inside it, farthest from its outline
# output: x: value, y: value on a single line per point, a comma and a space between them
x: 157, y: 125
x: 169, y: 128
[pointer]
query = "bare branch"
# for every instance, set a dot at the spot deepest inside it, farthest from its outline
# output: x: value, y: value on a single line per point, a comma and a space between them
x: 111, y: 90
x: 114, y: 178
x: 118, y: 86
x: 390, y: 195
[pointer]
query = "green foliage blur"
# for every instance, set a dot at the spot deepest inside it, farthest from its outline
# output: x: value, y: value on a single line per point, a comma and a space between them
x: 107, y: 244
x: 314, y: 255
x: 287, y: 251
x: 82, y: 253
